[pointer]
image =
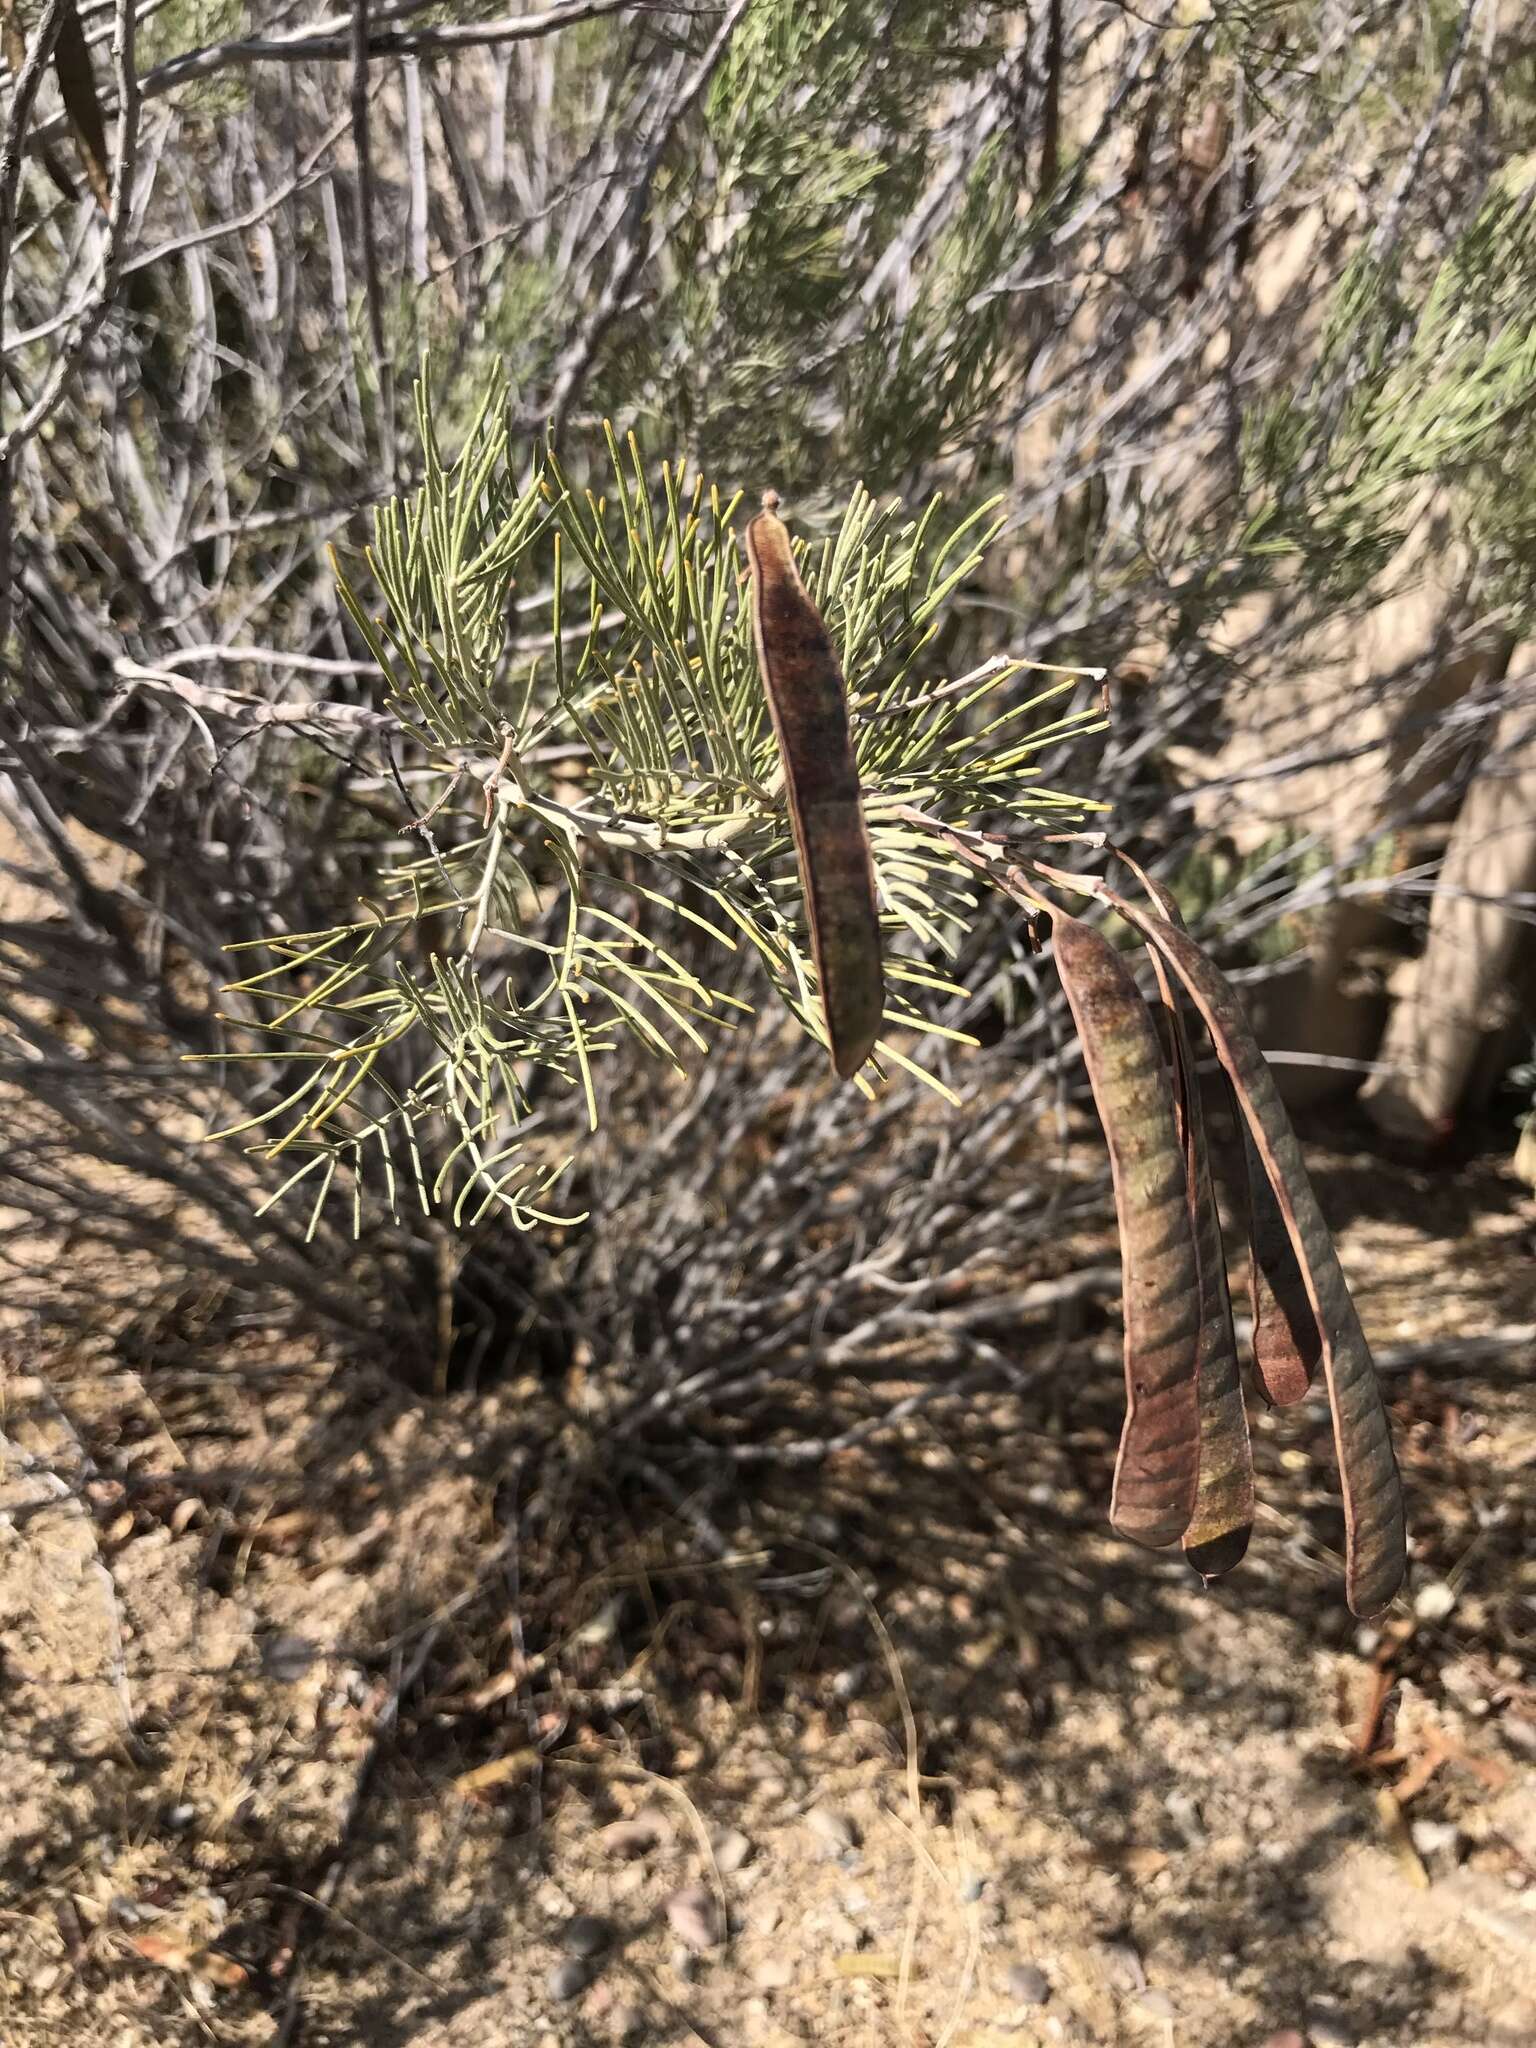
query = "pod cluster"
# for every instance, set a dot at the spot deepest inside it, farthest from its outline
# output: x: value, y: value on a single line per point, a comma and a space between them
x: 1184, y: 1473
x: 1185, y: 1469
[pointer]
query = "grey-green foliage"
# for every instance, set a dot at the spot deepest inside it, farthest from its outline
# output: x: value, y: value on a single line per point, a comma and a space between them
x: 1414, y: 384
x: 592, y: 657
x: 822, y: 133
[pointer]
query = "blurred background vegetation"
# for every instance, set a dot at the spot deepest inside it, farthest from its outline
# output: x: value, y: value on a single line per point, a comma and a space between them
x: 1231, y: 309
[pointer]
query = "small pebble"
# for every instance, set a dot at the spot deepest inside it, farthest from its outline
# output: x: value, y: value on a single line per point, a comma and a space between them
x: 286, y: 1658
x: 1434, y: 1601
x: 731, y: 1850
x: 971, y: 1889
x: 585, y: 1935
x: 1435, y: 1837
x: 764, y: 1916
x: 846, y: 1685
x: 1184, y: 1812
x: 694, y: 1917
x: 568, y: 1979
x: 1027, y: 1985
x: 1122, y: 1967
x: 1157, y: 2005
x: 774, y: 1974
x: 839, y: 1931
x: 836, y: 1830
x: 629, y: 1838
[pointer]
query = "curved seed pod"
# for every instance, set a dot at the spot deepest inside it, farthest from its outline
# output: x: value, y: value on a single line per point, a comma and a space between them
x: 1218, y: 1533
x: 77, y: 86
x: 809, y: 707
x: 1287, y: 1343
x: 1157, y: 1469
x: 1375, y: 1538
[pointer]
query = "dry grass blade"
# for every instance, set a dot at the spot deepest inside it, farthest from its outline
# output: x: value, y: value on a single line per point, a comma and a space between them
x: 1157, y: 1470
x: 77, y: 84
x: 1218, y: 1533
x: 809, y: 706
x: 1375, y: 1554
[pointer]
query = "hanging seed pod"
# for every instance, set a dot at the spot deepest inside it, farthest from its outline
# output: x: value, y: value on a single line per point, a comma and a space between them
x: 1218, y: 1533
x: 1375, y: 1537
x: 77, y: 87
x: 1157, y: 1470
x: 1287, y: 1343
x: 809, y: 706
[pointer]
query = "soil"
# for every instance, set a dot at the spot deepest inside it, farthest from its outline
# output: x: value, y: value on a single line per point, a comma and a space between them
x: 336, y: 1714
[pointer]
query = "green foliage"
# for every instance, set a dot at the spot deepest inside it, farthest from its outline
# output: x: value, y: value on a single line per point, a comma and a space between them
x: 188, y: 25
x: 825, y: 129
x: 592, y: 658
x: 1412, y: 390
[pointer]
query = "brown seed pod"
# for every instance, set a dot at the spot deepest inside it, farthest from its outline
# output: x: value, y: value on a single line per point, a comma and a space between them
x: 77, y: 87
x: 808, y: 702
x: 1157, y: 1470
x: 1375, y: 1536
x: 1287, y: 1343
x: 1218, y: 1533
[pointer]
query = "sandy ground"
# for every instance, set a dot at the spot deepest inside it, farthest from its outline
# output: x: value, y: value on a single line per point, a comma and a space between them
x: 332, y: 1714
